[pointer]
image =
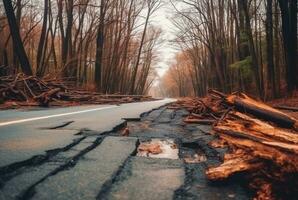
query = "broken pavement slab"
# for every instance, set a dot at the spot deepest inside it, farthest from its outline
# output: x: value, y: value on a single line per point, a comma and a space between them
x: 90, y: 173
x: 14, y: 148
x: 91, y: 120
x: 111, y: 169
x: 24, y: 177
x: 147, y: 178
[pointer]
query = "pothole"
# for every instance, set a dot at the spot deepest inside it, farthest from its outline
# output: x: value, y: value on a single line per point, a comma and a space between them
x: 195, y: 158
x: 191, y: 153
x: 158, y: 148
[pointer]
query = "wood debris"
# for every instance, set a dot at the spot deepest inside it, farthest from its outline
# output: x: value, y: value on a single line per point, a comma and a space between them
x: 263, y: 142
x: 153, y: 148
x: 125, y: 132
x: 22, y: 90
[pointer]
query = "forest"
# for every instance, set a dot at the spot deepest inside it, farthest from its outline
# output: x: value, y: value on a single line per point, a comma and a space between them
x: 106, y: 45
x: 234, y: 45
x: 111, y: 46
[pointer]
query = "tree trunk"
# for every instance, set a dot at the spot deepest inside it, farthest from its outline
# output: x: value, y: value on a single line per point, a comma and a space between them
x: 289, y: 32
x: 99, y: 47
x: 42, y: 41
x: 67, y: 40
x: 269, y: 39
x: 17, y: 41
x: 252, y: 48
x: 135, y: 70
x: 243, y: 41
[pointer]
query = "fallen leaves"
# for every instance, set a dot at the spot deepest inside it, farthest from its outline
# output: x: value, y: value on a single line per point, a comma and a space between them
x: 158, y: 148
x: 153, y: 148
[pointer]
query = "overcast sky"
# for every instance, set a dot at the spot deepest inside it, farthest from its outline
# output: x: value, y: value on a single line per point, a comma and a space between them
x: 167, y: 52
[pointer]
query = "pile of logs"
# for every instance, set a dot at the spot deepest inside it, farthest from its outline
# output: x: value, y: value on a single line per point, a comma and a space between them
x: 22, y: 90
x: 263, y: 142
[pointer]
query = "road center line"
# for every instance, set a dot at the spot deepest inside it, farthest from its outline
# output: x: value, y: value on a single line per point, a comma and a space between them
x: 53, y: 116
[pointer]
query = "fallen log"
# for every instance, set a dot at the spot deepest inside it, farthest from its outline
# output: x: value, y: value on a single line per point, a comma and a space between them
x: 239, y: 122
x: 245, y: 104
x: 232, y: 166
x: 267, y: 153
x: 45, y: 97
x: 262, y: 138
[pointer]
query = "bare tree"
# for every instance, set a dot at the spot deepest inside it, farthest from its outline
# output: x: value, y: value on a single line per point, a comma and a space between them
x: 152, y: 6
x: 42, y: 42
x: 17, y: 41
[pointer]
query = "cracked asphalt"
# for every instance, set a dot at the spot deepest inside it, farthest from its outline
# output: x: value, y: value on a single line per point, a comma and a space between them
x: 85, y: 156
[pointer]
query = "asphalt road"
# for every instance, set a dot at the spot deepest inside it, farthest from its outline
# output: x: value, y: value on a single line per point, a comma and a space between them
x: 26, y: 133
x: 80, y: 153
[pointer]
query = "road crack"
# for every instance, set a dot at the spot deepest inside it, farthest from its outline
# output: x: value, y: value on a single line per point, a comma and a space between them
x: 14, y: 169
x: 64, y: 124
x: 29, y: 192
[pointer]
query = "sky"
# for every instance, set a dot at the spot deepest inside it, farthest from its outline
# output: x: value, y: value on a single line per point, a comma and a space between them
x: 167, y: 52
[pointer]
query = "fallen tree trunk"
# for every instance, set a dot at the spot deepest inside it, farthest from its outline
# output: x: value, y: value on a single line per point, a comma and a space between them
x: 45, y: 97
x: 245, y: 104
x: 264, y: 140
x: 231, y: 166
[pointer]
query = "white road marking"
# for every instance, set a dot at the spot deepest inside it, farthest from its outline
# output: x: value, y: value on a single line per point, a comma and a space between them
x: 53, y: 116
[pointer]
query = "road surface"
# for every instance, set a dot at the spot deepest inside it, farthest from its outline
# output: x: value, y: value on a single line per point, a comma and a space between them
x: 79, y: 153
x: 24, y: 134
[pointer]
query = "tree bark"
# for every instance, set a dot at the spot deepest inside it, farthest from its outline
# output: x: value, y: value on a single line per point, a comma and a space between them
x: 269, y: 39
x: 42, y: 41
x: 252, y: 49
x: 135, y: 70
x: 99, y: 47
x: 17, y: 41
x: 289, y: 32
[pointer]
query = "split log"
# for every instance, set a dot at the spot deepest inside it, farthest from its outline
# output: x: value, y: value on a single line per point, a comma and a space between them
x: 263, y: 139
x: 243, y: 163
x: 218, y: 143
x: 245, y: 104
x: 239, y: 122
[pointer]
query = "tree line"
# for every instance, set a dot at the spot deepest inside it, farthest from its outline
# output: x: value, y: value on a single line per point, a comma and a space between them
x: 109, y: 45
x: 234, y: 45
